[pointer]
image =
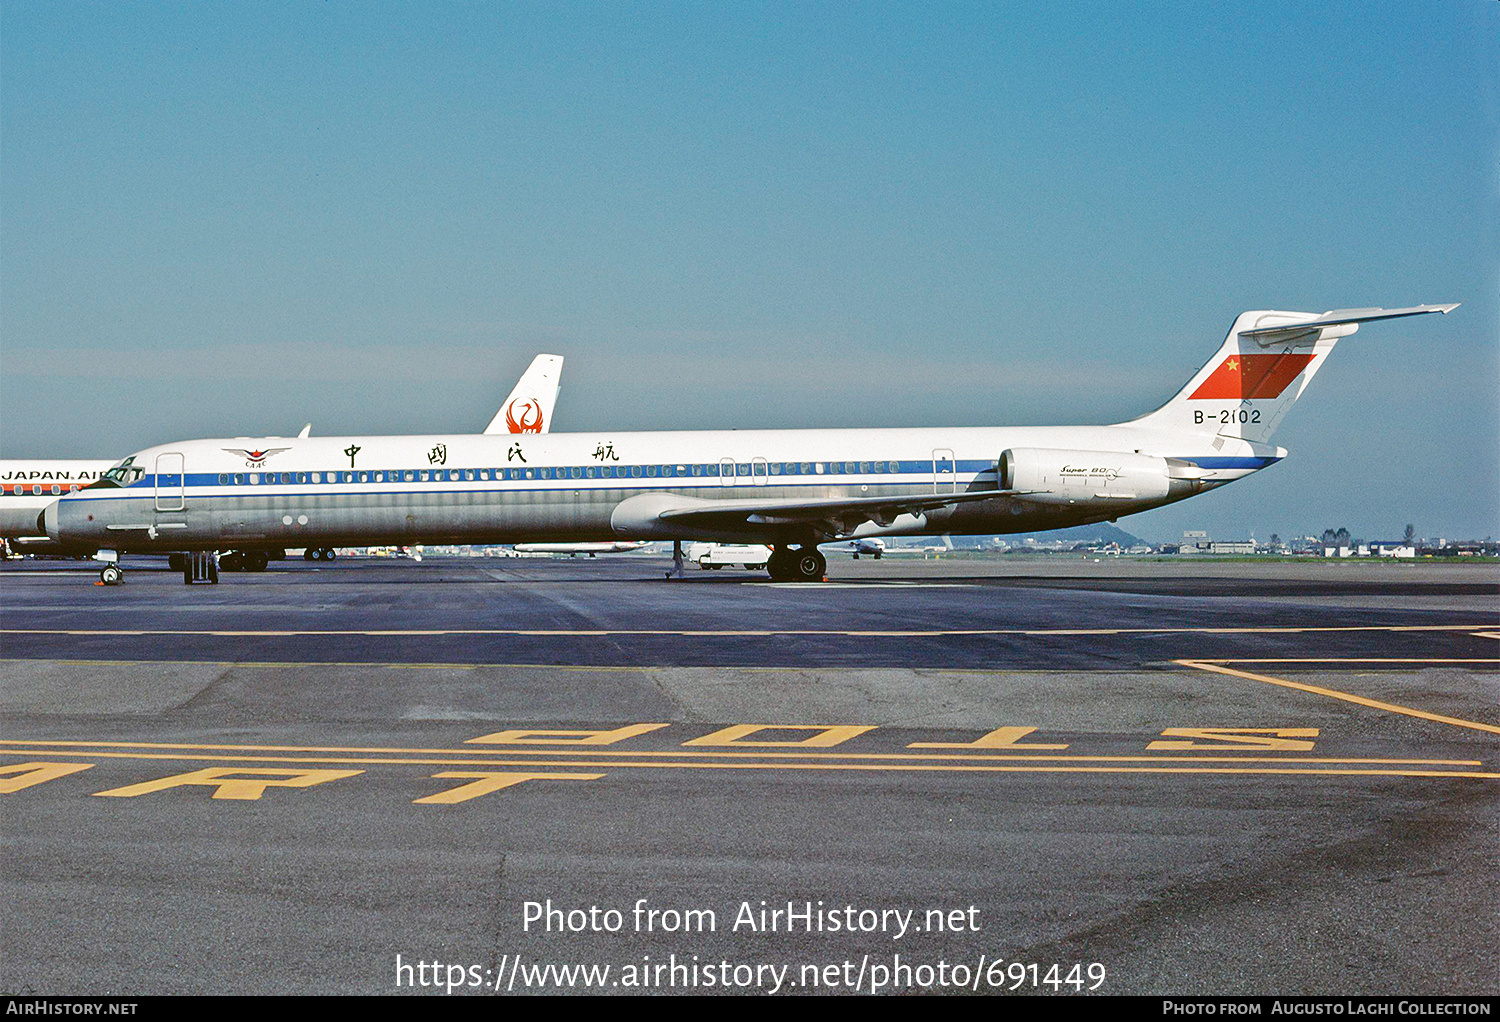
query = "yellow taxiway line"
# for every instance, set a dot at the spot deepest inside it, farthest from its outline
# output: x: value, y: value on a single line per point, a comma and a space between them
x: 1089, y: 768
x: 22, y: 746
x: 1218, y: 668
x: 733, y: 632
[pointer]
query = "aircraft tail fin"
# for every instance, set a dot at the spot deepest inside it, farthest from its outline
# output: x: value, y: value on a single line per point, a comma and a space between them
x: 528, y: 409
x: 1260, y: 370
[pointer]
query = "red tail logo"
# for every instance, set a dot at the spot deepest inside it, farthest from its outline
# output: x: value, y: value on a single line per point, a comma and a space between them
x: 1242, y: 377
x: 524, y: 415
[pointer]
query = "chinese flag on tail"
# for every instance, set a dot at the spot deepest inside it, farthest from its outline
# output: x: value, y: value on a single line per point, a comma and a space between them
x: 1251, y: 376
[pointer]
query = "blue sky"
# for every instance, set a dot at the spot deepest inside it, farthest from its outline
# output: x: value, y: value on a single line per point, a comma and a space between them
x: 231, y: 219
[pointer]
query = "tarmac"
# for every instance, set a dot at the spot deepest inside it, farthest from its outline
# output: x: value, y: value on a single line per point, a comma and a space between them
x: 1176, y: 776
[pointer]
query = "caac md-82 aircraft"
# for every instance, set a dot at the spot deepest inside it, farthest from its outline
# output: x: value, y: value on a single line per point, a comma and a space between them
x: 789, y: 489
x: 27, y: 487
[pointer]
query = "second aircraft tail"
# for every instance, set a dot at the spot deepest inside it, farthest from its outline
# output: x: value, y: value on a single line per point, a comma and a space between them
x: 529, y: 407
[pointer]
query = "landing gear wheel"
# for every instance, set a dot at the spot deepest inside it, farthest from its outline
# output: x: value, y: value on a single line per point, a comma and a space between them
x: 311, y: 554
x: 779, y: 564
x: 256, y: 560
x: 329, y: 553
x: 809, y: 565
x: 111, y: 575
x: 176, y: 561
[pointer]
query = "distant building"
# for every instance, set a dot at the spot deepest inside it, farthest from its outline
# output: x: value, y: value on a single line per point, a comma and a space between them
x: 1232, y: 546
x: 1197, y: 541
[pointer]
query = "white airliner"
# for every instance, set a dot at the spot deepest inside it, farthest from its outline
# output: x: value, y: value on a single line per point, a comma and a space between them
x: 27, y: 487
x: 789, y: 489
x: 619, y: 546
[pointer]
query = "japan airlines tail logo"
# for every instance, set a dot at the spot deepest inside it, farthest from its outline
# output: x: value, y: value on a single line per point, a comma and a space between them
x: 254, y: 459
x: 524, y: 415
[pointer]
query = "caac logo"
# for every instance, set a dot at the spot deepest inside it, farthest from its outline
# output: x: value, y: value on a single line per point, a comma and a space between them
x: 524, y: 415
x: 255, y: 459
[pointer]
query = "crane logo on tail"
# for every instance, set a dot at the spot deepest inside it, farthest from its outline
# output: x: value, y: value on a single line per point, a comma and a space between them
x: 524, y: 415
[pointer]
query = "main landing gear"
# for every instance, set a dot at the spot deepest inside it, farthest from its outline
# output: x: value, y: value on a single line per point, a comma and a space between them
x: 800, y: 564
x: 321, y: 553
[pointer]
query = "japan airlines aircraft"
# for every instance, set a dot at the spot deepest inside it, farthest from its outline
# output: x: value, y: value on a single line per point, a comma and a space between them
x: 790, y: 489
x: 27, y: 487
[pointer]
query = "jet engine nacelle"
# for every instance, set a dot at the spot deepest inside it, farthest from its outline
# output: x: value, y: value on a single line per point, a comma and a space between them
x: 1077, y: 477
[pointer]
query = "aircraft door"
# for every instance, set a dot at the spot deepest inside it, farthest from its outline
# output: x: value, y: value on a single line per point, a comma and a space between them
x: 760, y: 471
x: 944, y: 471
x: 171, y: 482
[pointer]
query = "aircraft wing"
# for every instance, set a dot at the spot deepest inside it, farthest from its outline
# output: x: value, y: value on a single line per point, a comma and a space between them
x: 839, y: 514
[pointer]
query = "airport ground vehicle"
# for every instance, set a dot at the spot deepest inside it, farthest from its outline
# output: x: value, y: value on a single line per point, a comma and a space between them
x: 751, y: 556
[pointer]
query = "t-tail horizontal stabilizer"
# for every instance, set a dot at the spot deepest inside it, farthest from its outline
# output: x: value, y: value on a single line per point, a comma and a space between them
x: 1260, y: 370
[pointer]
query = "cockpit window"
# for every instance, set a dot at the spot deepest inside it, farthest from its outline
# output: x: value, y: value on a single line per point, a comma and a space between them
x: 122, y: 474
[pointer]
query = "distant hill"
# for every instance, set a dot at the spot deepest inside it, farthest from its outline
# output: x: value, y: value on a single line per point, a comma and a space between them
x: 1101, y: 532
